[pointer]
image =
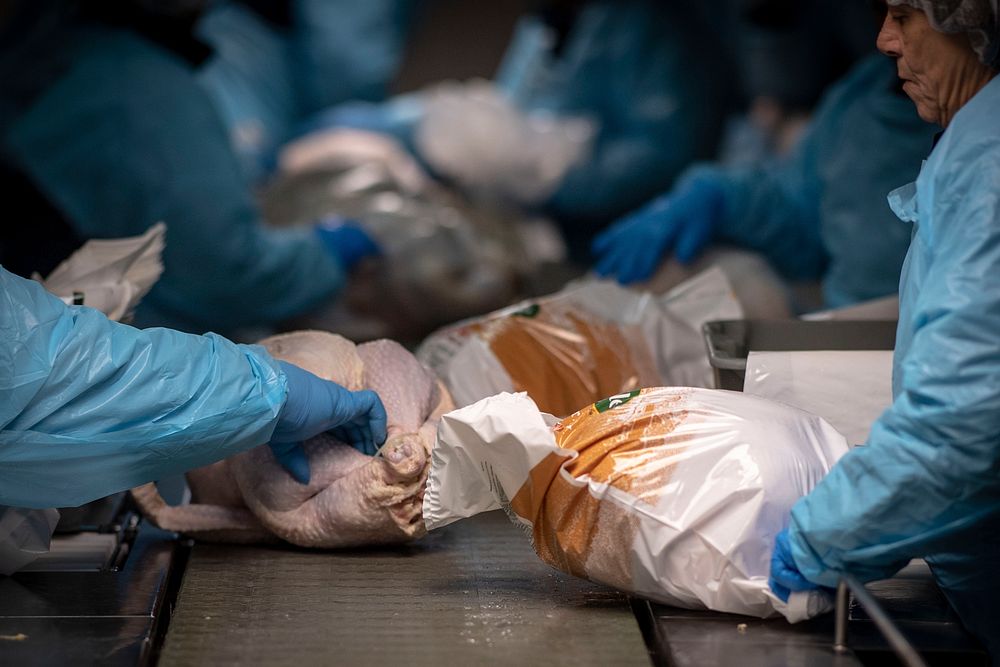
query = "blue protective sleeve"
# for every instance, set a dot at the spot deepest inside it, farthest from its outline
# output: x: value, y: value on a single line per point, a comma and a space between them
x: 266, y: 80
x: 774, y: 208
x: 154, y: 149
x: 89, y: 407
x: 629, y: 67
x: 348, y: 50
x: 930, y: 473
x: 822, y: 212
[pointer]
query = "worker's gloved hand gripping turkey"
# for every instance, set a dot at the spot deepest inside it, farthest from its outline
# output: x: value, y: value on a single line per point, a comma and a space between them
x: 316, y: 406
x: 91, y: 407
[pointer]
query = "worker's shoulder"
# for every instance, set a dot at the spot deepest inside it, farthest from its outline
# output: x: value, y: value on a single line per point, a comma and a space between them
x: 122, y: 87
x: 971, y: 144
x: 871, y: 70
x: 859, y: 96
x: 979, y: 116
x: 122, y: 65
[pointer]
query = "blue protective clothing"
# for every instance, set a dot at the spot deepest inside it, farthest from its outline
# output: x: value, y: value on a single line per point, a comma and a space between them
x: 314, y: 406
x: 653, y: 78
x: 89, y: 407
x: 397, y: 118
x: 684, y: 220
x: 822, y: 213
x: 785, y: 576
x: 267, y: 79
x: 346, y: 241
x: 123, y: 136
x: 791, y: 52
x: 927, y: 484
x: 650, y: 74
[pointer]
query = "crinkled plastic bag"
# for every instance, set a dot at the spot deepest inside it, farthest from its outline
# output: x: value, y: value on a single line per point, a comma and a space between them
x: 592, y: 340
x: 24, y: 536
x: 673, y: 494
x: 111, y: 275
x: 471, y: 133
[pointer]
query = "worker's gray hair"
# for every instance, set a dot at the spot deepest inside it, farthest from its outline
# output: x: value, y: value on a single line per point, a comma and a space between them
x: 979, y: 19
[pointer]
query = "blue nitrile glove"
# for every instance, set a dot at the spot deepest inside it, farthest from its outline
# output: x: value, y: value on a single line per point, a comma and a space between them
x: 785, y: 576
x: 346, y: 241
x: 684, y: 221
x: 314, y: 406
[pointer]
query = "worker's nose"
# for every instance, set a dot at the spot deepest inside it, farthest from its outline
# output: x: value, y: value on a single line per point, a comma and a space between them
x: 888, y: 39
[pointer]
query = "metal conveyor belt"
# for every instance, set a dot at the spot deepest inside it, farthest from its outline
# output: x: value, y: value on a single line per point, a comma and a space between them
x: 471, y: 593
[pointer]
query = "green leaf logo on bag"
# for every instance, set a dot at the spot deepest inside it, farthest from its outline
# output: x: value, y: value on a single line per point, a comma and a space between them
x: 615, y: 401
x: 529, y: 312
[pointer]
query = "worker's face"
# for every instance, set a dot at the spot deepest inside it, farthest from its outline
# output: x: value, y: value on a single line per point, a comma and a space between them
x: 932, y: 64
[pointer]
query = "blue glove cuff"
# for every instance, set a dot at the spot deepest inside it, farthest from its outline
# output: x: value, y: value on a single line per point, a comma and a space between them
x: 346, y: 241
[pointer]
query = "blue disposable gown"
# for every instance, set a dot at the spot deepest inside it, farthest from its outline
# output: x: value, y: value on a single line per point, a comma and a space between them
x: 927, y: 484
x: 124, y: 137
x: 822, y: 214
x: 653, y: 79
x: 267, y: 80
x: 89, y: 407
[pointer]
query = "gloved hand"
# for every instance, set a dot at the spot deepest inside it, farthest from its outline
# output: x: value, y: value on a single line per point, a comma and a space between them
x: 785, y: 576
x: 684, y: 221
x: 346, y: 241
x: 315, y: 406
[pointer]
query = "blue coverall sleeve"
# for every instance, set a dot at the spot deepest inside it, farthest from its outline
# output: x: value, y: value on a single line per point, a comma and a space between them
x: 127, y: 138
x: 931, y: 469
x: 658, y: 108
x: 347, y: 50
x: 774, y: 209
x: 623, y: 171
x: 89, y: 407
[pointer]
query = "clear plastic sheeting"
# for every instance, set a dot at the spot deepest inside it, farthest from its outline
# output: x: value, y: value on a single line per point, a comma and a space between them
x: 25, y: 535
x: 474, y: 135
x: 673, y: 494
x: 589, y: 341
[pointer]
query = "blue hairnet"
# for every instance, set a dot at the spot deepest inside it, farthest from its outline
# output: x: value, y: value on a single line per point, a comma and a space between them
x: 980, y: 19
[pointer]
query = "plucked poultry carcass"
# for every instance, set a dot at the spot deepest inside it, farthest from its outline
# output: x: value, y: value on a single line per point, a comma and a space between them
x: 351, y: 499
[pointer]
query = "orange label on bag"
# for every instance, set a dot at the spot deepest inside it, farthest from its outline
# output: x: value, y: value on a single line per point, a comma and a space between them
x: 563, y: 359
x: 630, y: 447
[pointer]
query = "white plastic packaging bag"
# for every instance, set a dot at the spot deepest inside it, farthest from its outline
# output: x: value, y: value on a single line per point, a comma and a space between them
x: 673, y: 494
x: 110, y: 275
x: 850, y: 389
x: 591, y: 340
x: 24, y: 536
x: 471, y: 133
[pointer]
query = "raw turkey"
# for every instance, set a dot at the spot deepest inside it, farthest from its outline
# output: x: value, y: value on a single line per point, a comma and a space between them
x: 352, y: 499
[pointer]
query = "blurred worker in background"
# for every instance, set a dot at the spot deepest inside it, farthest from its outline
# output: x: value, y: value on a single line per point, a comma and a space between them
x: 650, y: 78
x: 105, y: 130
x: 789, y: 53
x: 275, y: 63
x: 820, y: 215
x: 927, y: 483
x: 92, y: 407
